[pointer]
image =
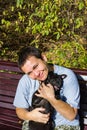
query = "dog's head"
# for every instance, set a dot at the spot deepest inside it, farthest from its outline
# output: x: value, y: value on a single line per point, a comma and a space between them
x: 55, y: 80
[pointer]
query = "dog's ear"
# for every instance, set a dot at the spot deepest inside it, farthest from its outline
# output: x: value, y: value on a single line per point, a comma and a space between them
x: 63, y: 76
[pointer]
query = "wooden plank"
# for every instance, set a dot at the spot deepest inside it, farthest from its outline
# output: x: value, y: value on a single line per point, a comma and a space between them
x: 9, y: 66
x: 5, y: 127
x: 9, y: 119
x: 80, y: 71
x: 10, y: 125
x: 8, y: 63
x: 8, y: 87
x: 10, y: 75
x: 85, y: 127
x: 11, y: 112
x: 11, y: 82
x: 6, y: 99
x: 7, y: 93
x: 7, y: 105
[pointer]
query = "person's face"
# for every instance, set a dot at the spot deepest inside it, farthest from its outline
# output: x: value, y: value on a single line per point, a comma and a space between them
x: 36, y: 68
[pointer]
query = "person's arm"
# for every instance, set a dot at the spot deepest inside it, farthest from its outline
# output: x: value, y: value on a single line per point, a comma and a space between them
x: 34, y: 115
x: 62, y: 107
x: 25, y: 93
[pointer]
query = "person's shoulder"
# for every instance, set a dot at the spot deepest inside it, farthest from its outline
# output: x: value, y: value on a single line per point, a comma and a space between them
x: 62, y: 69
x: 25, y: 78
x: 65, y: 70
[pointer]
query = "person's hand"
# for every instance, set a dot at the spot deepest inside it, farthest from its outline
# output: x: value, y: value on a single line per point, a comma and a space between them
x: 37, y: 116
x: 46, y: 92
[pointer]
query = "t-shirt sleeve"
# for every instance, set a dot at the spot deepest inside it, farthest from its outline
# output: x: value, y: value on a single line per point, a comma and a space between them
x: 21, y: 99
x: 71, y: 90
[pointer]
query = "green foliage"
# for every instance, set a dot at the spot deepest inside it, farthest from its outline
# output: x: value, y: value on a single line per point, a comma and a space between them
x: 70, y: 54
x: 19, y: 3
x: 51, y: 19
x: 45, y: 23
x: 55, y: 18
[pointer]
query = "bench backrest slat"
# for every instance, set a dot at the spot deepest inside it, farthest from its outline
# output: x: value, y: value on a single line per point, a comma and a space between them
x: 6, y: 99
x: 9, y: 77
x: 7, y: 105
x: 9, y: 66
x: 8, y: 111
x: 7, y: 93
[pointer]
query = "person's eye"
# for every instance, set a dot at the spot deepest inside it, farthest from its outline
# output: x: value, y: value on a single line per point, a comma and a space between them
x: 29, y: 73
x: 36, y: 66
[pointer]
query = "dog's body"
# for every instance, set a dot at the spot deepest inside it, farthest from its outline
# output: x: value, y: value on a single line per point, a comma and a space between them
x: 56, y: 81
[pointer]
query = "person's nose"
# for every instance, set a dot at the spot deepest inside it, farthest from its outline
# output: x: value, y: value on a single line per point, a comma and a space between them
x: 36, y: 72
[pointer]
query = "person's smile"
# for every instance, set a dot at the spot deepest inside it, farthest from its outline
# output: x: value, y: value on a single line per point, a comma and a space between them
x: 36, y: 68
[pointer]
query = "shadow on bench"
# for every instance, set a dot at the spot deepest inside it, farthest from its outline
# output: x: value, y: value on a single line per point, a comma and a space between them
x: 9, y: 77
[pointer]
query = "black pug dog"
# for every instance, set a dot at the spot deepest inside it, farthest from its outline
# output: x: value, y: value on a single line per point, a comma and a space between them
x: 56, y: 81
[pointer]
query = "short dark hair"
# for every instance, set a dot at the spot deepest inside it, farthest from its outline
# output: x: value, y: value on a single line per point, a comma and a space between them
x: 27, y: 52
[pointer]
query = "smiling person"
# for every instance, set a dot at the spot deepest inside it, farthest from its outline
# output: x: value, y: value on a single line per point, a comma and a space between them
x: 34, y: 64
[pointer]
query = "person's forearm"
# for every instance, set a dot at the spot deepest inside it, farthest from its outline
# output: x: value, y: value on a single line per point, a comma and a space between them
x: 23, y: 114
x: 64, y: 109
x: 34, y: 115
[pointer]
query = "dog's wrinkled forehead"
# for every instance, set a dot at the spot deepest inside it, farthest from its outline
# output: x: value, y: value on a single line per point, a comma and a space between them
x: 54, y: 79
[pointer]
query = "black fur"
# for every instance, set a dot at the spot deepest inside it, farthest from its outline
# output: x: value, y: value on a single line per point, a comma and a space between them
x: 56, y: 81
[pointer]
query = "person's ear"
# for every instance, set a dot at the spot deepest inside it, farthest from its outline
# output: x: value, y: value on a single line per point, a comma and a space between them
x: 44, y: 57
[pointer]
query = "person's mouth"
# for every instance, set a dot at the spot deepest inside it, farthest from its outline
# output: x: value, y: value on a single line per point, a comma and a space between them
x: 41, y: 76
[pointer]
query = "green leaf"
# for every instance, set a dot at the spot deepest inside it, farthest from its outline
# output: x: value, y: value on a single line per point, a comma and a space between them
x: 81, y: 5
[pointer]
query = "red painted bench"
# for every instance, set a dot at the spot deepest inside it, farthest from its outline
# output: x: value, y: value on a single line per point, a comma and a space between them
x: 9, y: 77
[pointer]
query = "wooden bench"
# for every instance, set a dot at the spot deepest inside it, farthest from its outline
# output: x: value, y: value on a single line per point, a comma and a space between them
x: 9, y: 77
